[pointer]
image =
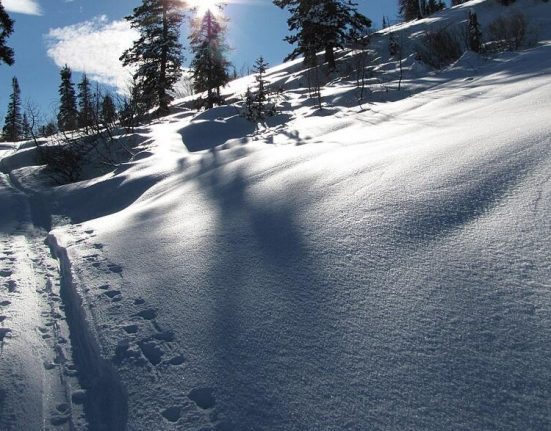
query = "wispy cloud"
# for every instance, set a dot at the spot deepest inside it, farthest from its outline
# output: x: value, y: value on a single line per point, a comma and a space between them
x: 29, y: 7
x: 94, y: 47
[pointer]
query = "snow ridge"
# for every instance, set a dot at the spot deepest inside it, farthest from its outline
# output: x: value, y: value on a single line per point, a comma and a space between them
x: 106, y: 401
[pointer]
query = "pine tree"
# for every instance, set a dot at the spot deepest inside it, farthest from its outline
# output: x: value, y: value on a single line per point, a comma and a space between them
x: 433, y: 6
x: 6, y: 29
x: 13, y: 122
x: 67, y: 117
x: 475, y: 35
x: 85, y: 103
x: 26, y: 127
x: 414, y: 9
x: 108, y: 113
x: 322, y: 25
x: 157, y: 54
x: 257, y: 105
x: 209, y: 66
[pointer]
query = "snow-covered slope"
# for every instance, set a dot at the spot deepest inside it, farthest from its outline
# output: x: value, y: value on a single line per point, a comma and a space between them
x: 377, y: 267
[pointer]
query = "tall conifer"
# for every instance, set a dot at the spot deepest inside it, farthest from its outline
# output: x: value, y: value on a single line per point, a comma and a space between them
x: 6, y: 29
x: 85, y: 103
x: 322, y: 25
x: 157, y: 54
x: 13, y: 123
x: 209, y: 65
x: 67, y: 117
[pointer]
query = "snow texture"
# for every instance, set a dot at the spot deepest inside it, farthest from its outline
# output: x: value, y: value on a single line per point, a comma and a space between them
x: 377, y: 266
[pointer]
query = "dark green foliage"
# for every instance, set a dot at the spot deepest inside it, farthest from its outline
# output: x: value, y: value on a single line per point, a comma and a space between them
x: 409, y: 9
x: 108, y: 112
x: 209, y: 65
x: 85, y: 103
x: 432, y: 6
x: 67, y: 118
x: 414, y: 9
x: 474, y: 33
x: 6, y: 29
x: 12, y: 130
x: 48, y: 129
x: 157, y: 54
x: 322, y: 25
x: 257, y: 105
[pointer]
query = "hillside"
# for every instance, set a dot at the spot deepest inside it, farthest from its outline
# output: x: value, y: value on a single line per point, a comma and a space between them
x: 383, y: 265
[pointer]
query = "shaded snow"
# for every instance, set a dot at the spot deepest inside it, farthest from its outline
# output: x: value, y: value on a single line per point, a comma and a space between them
x: 384, y: 266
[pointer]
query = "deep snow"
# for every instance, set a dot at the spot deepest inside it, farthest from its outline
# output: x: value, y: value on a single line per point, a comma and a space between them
x: 376, y: 267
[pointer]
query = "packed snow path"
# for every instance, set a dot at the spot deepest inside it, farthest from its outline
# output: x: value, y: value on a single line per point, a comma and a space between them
x: 38, y: 385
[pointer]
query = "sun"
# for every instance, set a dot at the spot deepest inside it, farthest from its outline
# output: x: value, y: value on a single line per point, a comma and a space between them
x: 202, y: 6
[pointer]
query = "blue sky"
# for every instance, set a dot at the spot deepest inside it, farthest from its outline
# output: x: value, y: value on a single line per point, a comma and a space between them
x: 88, y: 35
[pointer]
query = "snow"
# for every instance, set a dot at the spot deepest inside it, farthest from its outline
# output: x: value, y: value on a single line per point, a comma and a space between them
x: 383, y: 266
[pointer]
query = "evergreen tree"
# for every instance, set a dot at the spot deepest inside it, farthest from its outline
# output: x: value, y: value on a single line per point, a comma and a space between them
x: 322, y: 25
x: 157, y: 54
x: 257, y: 105
x: 475, y: 35
x: 209, y: 66
x: 85, y: 103
x: 432, y: 6
x: 414, y: 9
x: 13, y: 122
x: 26, y: 127
x: 6, y: 29
x: 67, y: 117
x: 108, y: 113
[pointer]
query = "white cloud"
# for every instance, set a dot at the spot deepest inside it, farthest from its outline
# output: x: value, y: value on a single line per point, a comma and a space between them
x: 94, y: 47
x: 29, y: 7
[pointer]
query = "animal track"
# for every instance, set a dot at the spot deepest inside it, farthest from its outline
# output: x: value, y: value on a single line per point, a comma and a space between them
x: 5, y: 272
x: 112, y: 293
x: 203, y: 397
x: 172, y: 414
x: 5, y: 303
x: 131, y: 329
x: 4, y: 334
x: 177, y: 360
x: 152, y: 351
x: 147, y: 314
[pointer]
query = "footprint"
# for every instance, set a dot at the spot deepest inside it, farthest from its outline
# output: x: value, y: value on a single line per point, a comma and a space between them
x: 5, y: 303
x: 117, y: 269
x: 2, y: 318
x: 172, y: 414
x: 11, y: 285
x: 147, y: 314
x: 104, y: 287
x: 177, y: 360
x: 151, y: 351
x: 131, y: 329
x: 112, y: 293
x: 98, y: 246
x: 203, y: 397
x: 4, y: 333
x: 5, y: 272
x: 139, y: 301
x: 164, y: 336
x: 59, y: 419
x: 78, y: 397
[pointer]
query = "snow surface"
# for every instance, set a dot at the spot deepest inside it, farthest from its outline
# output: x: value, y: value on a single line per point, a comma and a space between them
x: 384, y: 266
